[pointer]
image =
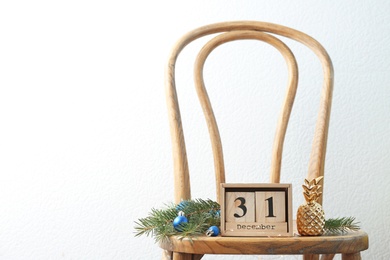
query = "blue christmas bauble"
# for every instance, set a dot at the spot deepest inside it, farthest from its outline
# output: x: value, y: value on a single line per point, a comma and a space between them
x: 213, y: 231
x: 178, y: 221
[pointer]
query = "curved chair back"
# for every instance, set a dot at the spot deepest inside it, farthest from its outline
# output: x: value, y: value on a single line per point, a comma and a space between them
x: 240, y: 30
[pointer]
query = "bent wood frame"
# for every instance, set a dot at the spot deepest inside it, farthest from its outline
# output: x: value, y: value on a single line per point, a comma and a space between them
x: 252, y: 30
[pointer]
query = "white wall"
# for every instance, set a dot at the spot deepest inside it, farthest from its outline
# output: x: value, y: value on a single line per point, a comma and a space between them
x: 84, y: 139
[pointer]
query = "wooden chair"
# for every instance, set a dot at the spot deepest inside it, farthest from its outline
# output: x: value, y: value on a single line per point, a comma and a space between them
x: 349, y: 245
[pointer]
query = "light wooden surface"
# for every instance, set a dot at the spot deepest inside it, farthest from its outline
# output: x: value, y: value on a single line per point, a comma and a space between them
x: 232, y: 207
x: 208, y: 111
x: 351, y: 256
x: 279, y: 207
x: 349, y: 245
x: 254, y: 221
x: 317, y: 158
x: 327, y: 257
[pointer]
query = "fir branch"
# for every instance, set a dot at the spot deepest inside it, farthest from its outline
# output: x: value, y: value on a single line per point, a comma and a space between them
x: 341, y: 225
x: 158, y: 222
x: 201, y: 214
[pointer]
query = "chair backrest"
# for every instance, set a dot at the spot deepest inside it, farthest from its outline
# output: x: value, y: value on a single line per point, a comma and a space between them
x: 239, y: 30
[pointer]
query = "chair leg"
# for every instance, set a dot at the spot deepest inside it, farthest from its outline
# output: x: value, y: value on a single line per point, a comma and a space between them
x: 327, y: 257
x: 167, y: 255
x: 197, y: 257
x: 354, y: 256
x: 183, y: 256
x: 311, y: 257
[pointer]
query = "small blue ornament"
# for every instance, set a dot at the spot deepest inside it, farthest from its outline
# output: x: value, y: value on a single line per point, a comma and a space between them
x: 213, y: 231
x: 179, y: 221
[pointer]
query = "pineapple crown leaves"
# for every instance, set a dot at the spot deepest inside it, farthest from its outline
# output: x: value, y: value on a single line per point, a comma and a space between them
x: 311, y: 189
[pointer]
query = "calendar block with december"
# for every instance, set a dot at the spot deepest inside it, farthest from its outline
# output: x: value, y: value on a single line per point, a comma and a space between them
x: 256, y: 209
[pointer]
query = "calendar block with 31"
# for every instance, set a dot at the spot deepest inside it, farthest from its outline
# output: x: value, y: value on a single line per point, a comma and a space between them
x: 256, y: 209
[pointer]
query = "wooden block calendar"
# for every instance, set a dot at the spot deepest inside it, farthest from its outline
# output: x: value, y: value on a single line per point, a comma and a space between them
x: 256, y: 209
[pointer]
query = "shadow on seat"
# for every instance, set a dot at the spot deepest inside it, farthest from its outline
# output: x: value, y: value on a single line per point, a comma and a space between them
x: 350, y: 244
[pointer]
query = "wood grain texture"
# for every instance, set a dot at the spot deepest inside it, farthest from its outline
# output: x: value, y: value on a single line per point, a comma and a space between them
x: 279, y: 207
x: 348, y: 244
x: 317, y: 158
x: 208, y: 111
x: 260, y: 226
x: 183, y: 256
x: 167, y: 255
x: 311, y: 257
x: 231, y: 207
x: 351, y: 256
x: 327, y: 257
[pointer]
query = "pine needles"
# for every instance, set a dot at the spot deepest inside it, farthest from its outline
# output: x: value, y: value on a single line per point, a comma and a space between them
x: 201, y: 215
x: 341, y: 225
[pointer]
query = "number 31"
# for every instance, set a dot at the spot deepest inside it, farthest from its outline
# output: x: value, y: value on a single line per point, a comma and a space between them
x: 244, y: 209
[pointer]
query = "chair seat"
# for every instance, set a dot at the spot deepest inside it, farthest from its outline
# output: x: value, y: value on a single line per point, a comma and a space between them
x: 347, y: 243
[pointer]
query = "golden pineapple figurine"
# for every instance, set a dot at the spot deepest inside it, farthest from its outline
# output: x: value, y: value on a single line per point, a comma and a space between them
x: 311, y: 216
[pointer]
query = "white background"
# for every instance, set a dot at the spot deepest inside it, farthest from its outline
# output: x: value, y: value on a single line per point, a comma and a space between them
x: 84, y: 139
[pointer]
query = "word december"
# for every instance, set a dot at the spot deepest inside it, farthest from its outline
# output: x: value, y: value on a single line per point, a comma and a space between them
x: 255, y: 227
